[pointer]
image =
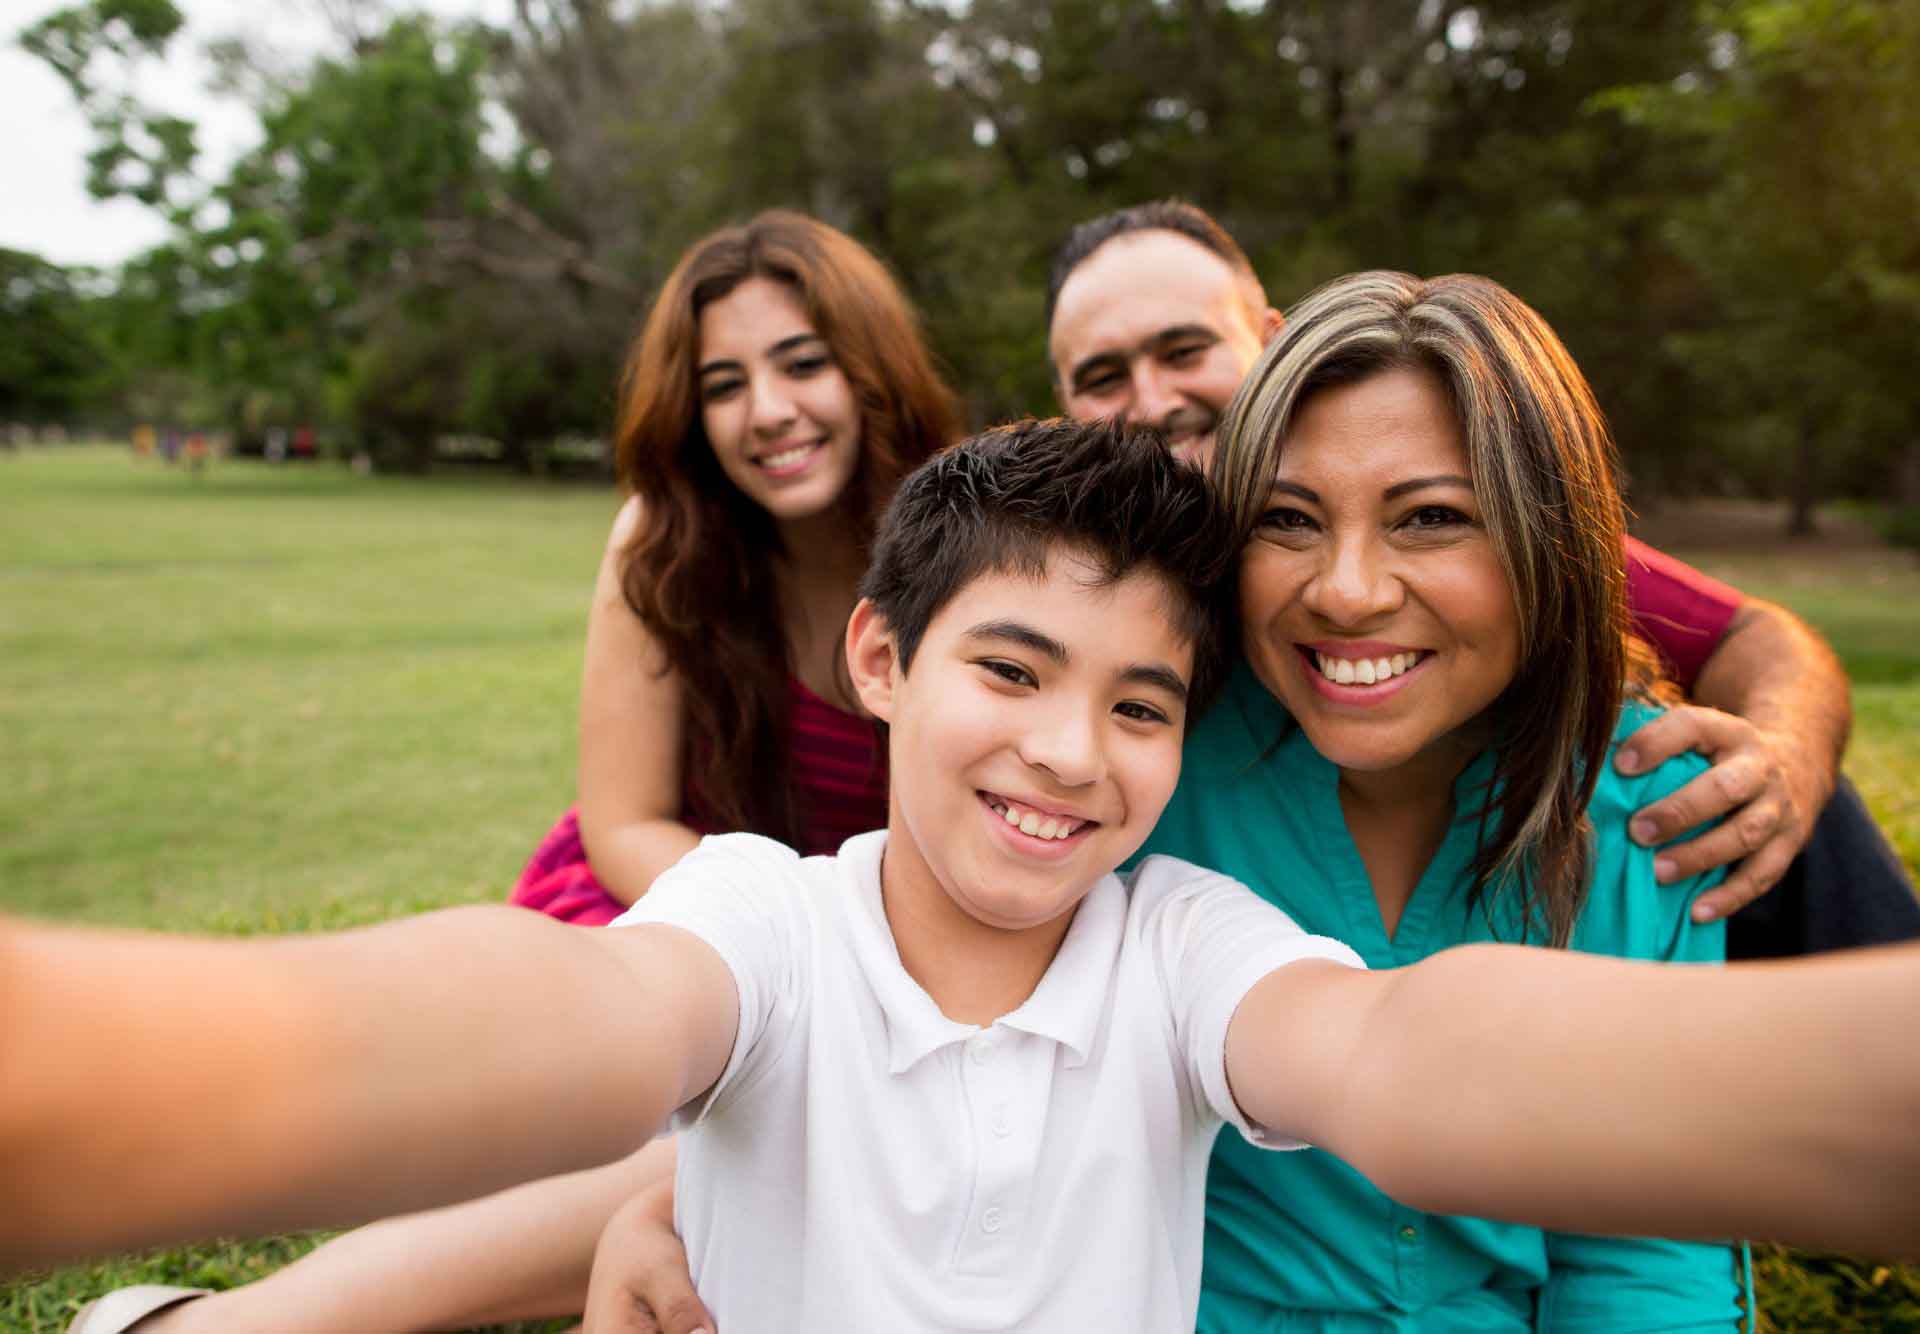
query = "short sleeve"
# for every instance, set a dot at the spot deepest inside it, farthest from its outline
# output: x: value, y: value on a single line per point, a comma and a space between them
x: 1679, y: 610
x: 744, y: 896
x: 1214, y: 940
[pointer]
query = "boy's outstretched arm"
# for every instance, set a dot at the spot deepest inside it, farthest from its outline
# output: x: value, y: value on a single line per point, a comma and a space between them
x: 1583, y: 1094
x: 154, y: 1088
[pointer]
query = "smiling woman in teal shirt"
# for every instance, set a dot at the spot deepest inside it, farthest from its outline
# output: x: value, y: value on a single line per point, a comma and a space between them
x: 1301, y: 1241
x: 1415, y: 754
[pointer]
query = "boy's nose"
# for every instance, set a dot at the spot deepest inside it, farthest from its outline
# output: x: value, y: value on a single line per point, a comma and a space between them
x: 1068, y: 748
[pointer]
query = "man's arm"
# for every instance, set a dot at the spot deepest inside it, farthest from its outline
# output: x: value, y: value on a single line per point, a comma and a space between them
x: 1558, y: 1089
x: 155, y: 1088
x: 1771, y: 712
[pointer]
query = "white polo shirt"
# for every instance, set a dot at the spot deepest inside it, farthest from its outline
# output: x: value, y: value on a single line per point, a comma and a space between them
x: 866, y: 1163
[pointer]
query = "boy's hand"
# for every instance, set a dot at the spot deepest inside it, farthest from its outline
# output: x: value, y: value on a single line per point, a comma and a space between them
x: 641, y: 1281
x: 1766, y: 784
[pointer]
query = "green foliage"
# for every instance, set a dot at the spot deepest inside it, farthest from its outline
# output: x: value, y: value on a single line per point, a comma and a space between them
x: 50, y: 358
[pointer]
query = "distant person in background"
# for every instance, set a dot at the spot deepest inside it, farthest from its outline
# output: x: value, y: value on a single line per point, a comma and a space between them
x: 143, y: 441
x: 1155, y: 314
x: 777, y: 394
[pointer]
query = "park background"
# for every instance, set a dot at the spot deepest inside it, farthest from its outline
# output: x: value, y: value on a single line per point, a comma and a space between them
x: 262, y: 698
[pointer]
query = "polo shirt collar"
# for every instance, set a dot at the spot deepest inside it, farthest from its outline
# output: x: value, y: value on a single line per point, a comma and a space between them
x: 1066, y: 1007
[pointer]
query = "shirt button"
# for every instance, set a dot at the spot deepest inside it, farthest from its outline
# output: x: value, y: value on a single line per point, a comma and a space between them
x: 992, y: 1220
x: 1409, y: 1233
x: 1001, y: 1126
x: 980, y: 1048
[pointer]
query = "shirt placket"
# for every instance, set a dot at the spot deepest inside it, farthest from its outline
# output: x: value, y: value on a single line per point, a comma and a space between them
x: 1005, y: 1135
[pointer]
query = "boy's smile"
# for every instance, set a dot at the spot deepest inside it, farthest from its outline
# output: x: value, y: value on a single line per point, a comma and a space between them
x: 1034, y: 741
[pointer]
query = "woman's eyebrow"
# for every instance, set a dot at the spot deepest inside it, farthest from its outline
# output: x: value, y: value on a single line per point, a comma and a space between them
x: 1399, y: 489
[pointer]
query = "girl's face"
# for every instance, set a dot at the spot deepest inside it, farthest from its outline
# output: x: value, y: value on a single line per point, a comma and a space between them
x: 1375, y: 606
x: 777, y: 408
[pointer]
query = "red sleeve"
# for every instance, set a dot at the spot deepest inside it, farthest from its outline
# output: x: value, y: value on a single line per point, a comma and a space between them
x: 1680, y: 611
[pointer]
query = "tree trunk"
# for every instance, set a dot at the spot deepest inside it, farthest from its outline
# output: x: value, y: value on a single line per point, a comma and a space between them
x: 1806, y: 462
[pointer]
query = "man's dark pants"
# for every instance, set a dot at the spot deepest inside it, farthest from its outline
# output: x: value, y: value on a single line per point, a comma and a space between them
x: 1847, y: 887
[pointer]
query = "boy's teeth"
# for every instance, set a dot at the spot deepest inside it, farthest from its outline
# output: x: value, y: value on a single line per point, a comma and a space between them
x: 1363, y: 671
x: 1034, y: 823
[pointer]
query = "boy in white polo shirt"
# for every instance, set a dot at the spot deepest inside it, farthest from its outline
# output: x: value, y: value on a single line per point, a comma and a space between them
x: 960, y: 1076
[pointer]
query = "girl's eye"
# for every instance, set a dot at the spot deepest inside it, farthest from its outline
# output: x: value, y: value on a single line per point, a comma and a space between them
x: 1011, y: 672
x: 1139, y: 712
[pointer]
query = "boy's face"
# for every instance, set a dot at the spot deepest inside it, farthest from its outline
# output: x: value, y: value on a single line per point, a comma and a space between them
x: 1033, y: 743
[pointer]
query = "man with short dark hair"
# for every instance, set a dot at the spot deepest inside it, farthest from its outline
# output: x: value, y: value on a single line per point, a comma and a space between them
x: 1155, y: 314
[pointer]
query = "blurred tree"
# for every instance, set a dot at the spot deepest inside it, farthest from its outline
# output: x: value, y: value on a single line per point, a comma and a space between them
x: 1809, y: 116
x: 51, y: 361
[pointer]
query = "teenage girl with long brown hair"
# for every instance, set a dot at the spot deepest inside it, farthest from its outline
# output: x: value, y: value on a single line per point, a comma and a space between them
x: 778, y: 392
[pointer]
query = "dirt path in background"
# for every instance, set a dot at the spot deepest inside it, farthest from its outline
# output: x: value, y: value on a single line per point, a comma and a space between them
x: 1747, y: 525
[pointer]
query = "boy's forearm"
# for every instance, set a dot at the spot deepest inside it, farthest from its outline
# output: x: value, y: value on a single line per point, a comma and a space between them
x: 154, y: 1088
x: 1592, y: 1095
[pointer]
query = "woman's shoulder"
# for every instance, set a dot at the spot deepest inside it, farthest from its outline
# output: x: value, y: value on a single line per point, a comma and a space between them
x: 1622, y: 794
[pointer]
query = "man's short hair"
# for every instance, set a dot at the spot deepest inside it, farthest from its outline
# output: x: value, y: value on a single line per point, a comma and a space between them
x: 1160, y: 215
x: 1004, y: 500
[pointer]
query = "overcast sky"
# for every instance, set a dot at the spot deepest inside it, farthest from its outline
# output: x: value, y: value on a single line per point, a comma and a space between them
x: 44, y: 205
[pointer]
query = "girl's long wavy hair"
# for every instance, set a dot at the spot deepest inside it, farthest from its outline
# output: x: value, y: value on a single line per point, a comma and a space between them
x: 1545, y: 473
x: 700, y: 570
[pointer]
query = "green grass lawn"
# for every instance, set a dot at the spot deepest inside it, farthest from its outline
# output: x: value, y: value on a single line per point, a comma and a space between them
x: 271, y: 699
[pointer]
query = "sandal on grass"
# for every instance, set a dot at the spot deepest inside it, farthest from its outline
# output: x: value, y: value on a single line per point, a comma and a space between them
x: 123, y: 1308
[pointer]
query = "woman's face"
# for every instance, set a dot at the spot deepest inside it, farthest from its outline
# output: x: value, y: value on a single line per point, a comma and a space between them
x: 1375, y: 607
x: 777, y: 408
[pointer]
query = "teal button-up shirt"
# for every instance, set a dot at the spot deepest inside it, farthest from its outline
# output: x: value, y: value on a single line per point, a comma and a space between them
x: 1302, y: 1242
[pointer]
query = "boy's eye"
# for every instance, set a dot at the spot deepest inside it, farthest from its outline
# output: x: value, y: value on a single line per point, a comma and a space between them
x: 1011, y: 672
x: 1185, y: 354
x: 1140, y: 712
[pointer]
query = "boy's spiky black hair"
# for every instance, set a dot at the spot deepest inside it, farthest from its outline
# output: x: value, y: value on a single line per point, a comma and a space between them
x: 1001, y: 501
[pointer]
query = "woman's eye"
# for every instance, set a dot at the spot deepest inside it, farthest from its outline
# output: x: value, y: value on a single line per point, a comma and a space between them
x: 1140, y: 713
x: 1010, y: 672
x: 1429, y: 517
x: 803, y: 367
x: 715, y: 390
x: 1285, y: 520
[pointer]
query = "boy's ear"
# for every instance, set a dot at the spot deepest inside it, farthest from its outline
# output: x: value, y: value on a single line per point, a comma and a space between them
x: 1272, y: 322
x: 871, y: 658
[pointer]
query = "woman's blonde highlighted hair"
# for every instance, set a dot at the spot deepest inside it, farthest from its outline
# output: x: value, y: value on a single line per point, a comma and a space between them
x: 1545, y: 475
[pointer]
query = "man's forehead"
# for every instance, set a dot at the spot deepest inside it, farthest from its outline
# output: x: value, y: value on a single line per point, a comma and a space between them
x: 1137, y: 286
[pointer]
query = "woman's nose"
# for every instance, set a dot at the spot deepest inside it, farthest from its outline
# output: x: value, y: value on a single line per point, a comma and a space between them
x: 773, y: 406
x: 1353, y: 585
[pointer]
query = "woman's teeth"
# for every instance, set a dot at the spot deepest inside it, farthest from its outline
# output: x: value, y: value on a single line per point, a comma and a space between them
x: 1032, y: 822
x: 786, y: 458
x: 1364, y: 671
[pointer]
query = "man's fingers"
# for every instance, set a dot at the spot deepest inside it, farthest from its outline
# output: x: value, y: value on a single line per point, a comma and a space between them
x: 1754, y: 877
x: 1729, y: 785
x: 1688, y: 727
x: 1744, y: 835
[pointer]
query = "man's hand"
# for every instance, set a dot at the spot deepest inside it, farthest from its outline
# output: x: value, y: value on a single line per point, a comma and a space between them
x: 641, y: 1282
x: 1769, y: 785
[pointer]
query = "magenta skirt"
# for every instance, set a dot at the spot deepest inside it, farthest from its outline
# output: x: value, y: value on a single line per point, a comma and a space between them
x: 559, y: 883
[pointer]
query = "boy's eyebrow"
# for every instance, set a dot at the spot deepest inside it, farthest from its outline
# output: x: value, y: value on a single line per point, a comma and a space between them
x: 1025, y: 636
x: 1156, y: 674
x: 786, y: 344
x: 1159, y: 675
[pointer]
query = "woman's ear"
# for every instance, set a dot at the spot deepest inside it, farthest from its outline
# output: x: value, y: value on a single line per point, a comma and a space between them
x: 871, y: 658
